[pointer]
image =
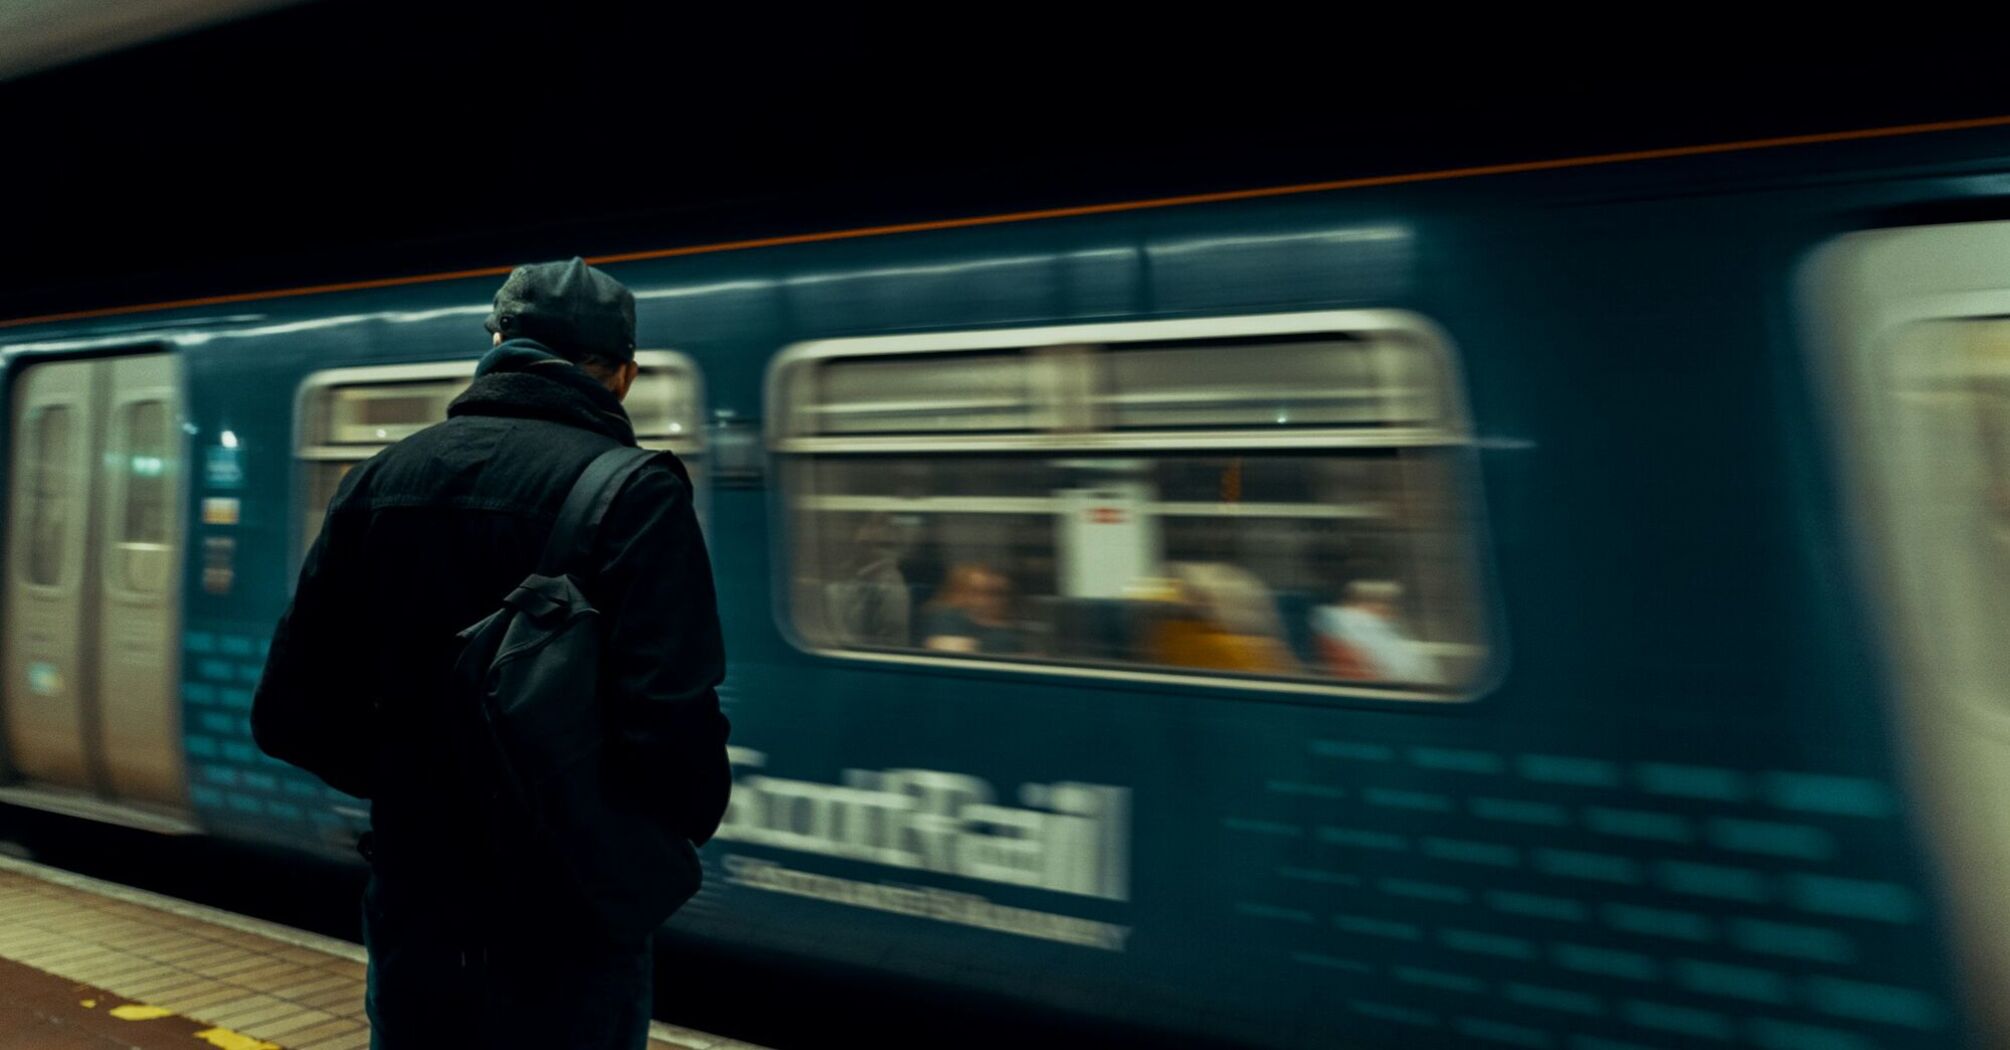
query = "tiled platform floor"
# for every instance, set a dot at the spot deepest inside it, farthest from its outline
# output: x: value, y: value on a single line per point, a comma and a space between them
x: 167, y: 965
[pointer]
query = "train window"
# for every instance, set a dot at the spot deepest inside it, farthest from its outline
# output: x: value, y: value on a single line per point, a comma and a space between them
x: 1316, y: 381
x: 981, y: 393
x: 1952, y: 386
x: 144, y: 424
x: 1276, y: 501
x: 372, y: 416
x: 664, y: 404
x: 143, y: 527
x: 1917, y: 325
x: 348, y: 415
x: 49, y: 431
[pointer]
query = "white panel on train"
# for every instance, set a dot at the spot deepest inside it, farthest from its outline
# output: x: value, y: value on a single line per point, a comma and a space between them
x: 46, y: 688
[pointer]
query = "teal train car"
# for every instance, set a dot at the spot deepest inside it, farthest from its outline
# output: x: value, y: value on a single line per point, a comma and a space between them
x: 1552, y: 606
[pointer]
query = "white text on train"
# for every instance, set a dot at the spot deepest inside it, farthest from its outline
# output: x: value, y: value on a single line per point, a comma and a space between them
x: 1068, y: 838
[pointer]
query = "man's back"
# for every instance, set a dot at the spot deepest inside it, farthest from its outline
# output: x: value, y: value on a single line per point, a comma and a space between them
x: 448, y: 523
x: 428, y: 537
x: 424, y: 540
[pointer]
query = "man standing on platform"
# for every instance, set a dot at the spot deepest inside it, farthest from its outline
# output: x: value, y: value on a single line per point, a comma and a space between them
x: 420, y: 542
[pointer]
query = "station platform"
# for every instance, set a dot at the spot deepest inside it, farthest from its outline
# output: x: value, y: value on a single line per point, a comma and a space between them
x: 91, y: 965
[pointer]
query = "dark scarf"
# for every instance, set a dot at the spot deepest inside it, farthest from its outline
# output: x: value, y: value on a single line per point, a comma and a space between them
x: 523, y: 379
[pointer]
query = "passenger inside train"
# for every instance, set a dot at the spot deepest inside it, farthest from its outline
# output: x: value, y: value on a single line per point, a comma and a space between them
x: 971, y: 614
x: 1363, y: 637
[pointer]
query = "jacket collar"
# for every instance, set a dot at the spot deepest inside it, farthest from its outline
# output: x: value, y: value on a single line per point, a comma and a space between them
x: 524, y: 380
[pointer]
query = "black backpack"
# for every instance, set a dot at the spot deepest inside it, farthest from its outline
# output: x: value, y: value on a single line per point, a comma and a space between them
x: 528, y: 677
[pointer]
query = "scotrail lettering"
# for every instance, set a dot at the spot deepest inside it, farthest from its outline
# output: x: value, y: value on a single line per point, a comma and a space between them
x: 1065, y: 837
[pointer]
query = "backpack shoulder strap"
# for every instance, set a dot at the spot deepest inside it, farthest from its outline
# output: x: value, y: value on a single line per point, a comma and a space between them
x: 586, y: 505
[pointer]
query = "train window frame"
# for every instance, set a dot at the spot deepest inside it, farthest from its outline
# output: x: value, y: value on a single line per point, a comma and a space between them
x: 690, y: 444
x: 1455, y: 432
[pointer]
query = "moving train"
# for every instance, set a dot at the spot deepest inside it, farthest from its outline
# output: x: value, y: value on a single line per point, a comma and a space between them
x: 1555, y: 605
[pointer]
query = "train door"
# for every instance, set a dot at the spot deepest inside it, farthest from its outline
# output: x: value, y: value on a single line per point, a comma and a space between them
x: 139, y: 546
x: 47, y: 690
x: 1917, y: 340
x: 92, y: 580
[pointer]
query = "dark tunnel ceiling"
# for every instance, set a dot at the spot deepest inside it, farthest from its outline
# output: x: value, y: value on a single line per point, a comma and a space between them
x: 347, y: 139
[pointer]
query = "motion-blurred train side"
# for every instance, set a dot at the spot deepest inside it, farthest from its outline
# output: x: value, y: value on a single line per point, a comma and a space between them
x: 1554, y: 608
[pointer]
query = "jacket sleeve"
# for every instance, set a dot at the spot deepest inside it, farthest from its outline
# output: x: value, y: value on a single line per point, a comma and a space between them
x: 664, y: 652
x: 308, y: 709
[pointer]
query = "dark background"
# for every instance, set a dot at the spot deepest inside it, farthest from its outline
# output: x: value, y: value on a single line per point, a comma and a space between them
x: 346, y: 139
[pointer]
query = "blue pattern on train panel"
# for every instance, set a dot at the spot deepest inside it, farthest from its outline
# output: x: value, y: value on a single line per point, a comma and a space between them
x: 235, y: 788
x: 1469, y: 896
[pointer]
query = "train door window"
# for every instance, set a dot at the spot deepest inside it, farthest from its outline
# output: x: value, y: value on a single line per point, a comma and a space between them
x: 1281, y: 501
x: 49, y: 434
x: 348, y: 415
x: 141, y: 432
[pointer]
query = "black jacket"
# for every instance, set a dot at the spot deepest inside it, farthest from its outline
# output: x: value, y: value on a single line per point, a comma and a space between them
x: 427, y: 537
